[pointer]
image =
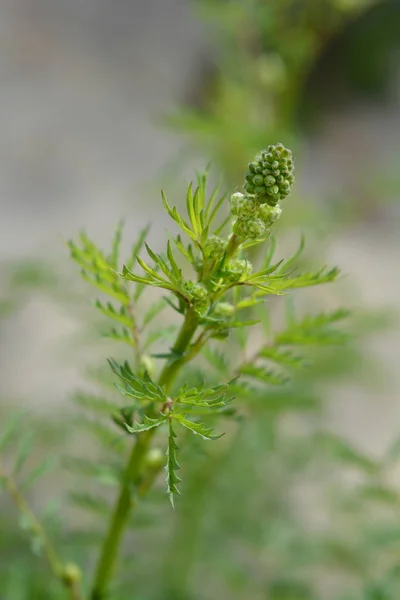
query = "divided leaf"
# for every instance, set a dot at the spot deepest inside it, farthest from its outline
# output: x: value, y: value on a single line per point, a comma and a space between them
x: 214, y: 397
x: 197, y: 428
x: 314, y: 330
x: 142, y: 389
x: 263, y: 374
x: 146, y: 425
x: 172, y: 466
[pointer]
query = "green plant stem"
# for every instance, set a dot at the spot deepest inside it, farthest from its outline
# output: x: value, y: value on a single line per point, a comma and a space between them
x: 134, y: 467
x: 233, y: 245
x: 56, y: 564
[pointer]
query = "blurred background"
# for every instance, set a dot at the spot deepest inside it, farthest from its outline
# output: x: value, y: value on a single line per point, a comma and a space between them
x: 102, y: 103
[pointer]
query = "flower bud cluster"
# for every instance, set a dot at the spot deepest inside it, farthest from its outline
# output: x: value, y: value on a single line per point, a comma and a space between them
x: 271, y: 176
x: 197, y: 294
x: 238, y: 267
x: 268, y: 180
x: 215, y: 247
x: 253, y: 219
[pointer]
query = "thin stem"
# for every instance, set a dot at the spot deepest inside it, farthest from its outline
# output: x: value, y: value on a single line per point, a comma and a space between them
x: 120, y: 515
x: 135, y: 334
x: 134, y: 467
x: 233, y: 245
x: 57, y: 566
x: 182, y: 342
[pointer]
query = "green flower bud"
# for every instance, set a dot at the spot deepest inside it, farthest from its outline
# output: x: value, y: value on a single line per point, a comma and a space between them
x: 71, y: 574
x: 250, y: 188
x: 277, y: 167
x: 197, y: 293
x: 269, y: 181
x: 260, y: 190
x: 250, y: 228
x: 224, y: 309
x: 220, y: 334
x: 154, y: 459
x: 235, y: 200
x: 245, y: 206
x: 198, y: 264
x: 215, y: 247
x: 239, y: 267
x: 258, y: 180
x: 269, y: 214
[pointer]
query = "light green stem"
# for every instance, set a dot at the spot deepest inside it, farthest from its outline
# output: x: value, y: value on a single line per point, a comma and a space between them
x: 134, y: 467
x: 233, y: 245
x: 68, y: 574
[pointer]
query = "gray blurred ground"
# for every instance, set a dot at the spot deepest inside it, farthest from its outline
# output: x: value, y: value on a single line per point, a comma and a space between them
x: 82, y: 85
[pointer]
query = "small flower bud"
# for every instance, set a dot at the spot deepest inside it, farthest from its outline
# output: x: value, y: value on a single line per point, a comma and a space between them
x: 71, y: 574
x: 269, y: 214
x: 198, y: 264
x: 258, y: 180
x: 154, y: 458
x: 197, y: 293
x: 269, y: 180
x: 215, y: 246
x: 250, y: 188
x: 260, y: 190
x: 235, y: 200
x: 239, y: 267
x: 243, y: 206
x: 224, y: 309
x: 249, y: 228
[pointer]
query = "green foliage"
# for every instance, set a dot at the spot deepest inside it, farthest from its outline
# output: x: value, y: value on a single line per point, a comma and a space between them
x: 161, y: 402
x: 172, y: 465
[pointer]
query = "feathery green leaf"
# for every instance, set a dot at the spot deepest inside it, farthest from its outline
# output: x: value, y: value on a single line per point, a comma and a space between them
x: 146, y: 425
x: 172, y: 465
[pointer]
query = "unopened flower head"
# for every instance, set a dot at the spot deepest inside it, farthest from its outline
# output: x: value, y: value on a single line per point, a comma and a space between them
x: 239, y: 267
x: 224, y: 309
x: 271, y: 175
x: 243, y: 205
x: 269, y: 214
x: 250, y: 228
x: 215, y: 246
x: 197, y: 293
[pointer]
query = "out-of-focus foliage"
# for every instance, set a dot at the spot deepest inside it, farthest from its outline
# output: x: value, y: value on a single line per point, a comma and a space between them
x: 276, y: 68
x: 265, y: 53
x: 240, y: 529
x: 320, y: 521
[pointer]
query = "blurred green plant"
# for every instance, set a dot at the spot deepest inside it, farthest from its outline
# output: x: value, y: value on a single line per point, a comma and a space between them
x: 242, y: 528
x: 264, y: 55
x: 186, y: 396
